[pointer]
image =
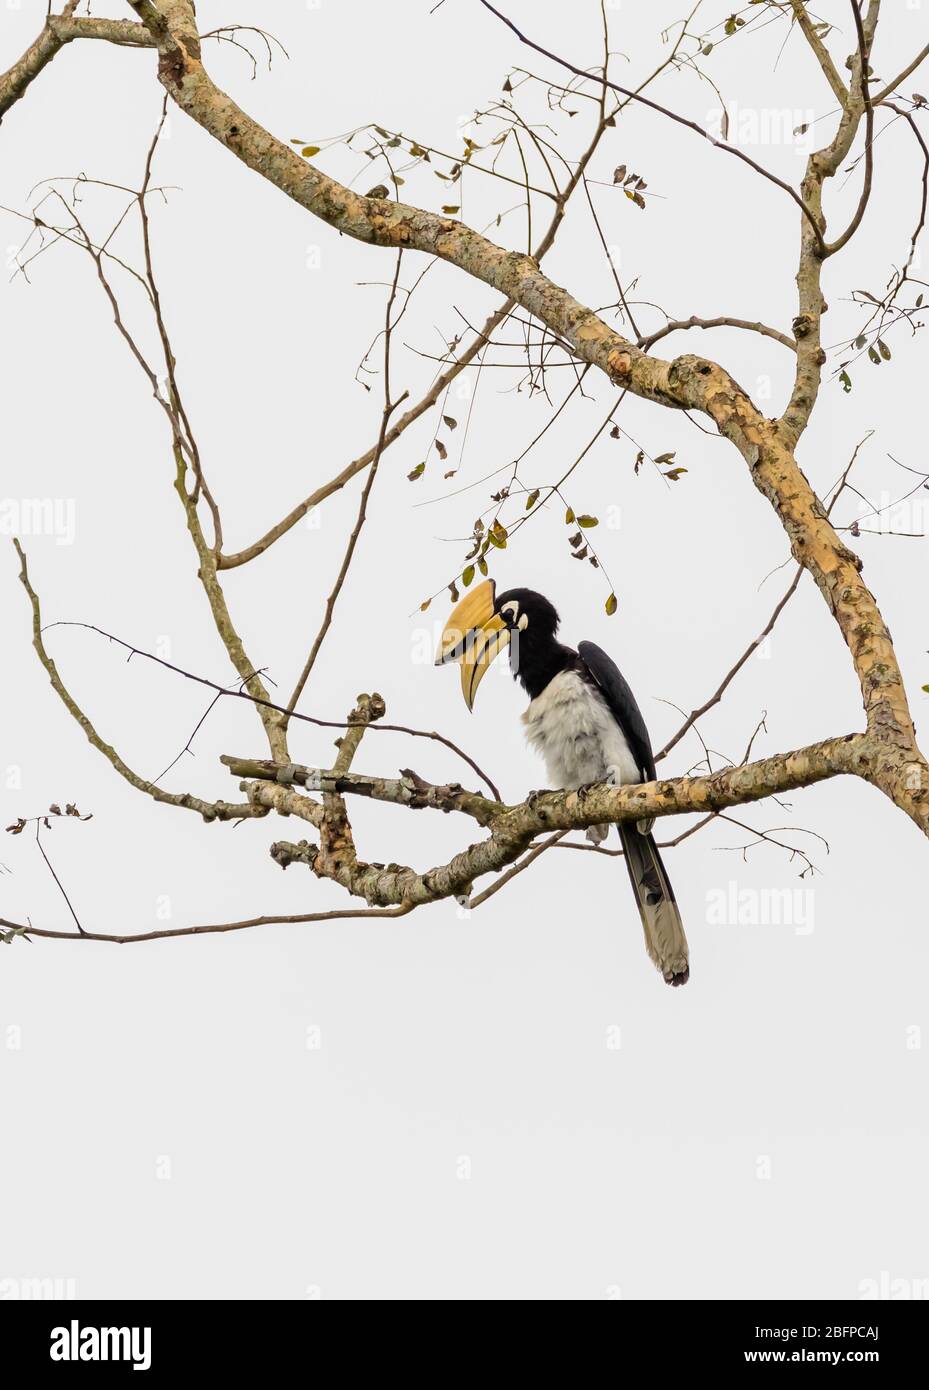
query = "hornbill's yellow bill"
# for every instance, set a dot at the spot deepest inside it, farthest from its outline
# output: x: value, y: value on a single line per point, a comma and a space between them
x: 474, y: 634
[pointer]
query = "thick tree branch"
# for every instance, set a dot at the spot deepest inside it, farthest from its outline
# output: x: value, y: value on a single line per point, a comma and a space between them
x: 688, y: 382
x: 58, y: 31
x: 513, y: 828
x: 408, y: 790
x: 885, y: 754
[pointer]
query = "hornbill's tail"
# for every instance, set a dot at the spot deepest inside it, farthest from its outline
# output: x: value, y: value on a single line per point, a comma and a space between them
x: 664, y: 931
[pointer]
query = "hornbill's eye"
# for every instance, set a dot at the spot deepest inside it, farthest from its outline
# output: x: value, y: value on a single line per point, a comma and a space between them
x: 474, y: 634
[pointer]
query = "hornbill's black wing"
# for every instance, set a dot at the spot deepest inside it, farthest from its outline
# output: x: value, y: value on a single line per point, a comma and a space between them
x: 615, y: 690
x: 665, y: 940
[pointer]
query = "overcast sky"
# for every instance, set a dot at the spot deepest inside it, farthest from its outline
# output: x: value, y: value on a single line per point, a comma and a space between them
x: 511, y: 1103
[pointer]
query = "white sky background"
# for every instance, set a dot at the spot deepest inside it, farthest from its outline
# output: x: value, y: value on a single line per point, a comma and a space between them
x: 467, y: 1126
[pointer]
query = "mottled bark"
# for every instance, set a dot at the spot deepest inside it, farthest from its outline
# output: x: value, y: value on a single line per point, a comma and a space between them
x: 57, y: 31
x: 513, y: 828
x: 885, y: 754
x: 689, y: 382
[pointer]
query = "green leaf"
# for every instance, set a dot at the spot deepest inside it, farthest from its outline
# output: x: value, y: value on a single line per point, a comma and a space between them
x: 417, y: 472
x: 675, y: 473
x: 482, y: 566
x: 666, y: 458
x: 532, y: 499
x: 883, y: 349
x: 451, y: 207
x: 467, y: 575
x: 846, y: 382
x: 588, y: 521
x: 309, y: 150
x: 611, y: 605
x: 569, y: 517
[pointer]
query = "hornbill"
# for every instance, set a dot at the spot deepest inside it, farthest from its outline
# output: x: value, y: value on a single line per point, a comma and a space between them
x: 583, y: 719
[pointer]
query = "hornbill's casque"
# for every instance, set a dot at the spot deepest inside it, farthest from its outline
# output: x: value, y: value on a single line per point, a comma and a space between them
x: 584, y: 720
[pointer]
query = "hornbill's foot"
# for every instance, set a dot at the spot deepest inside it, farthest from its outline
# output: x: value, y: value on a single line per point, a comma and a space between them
x: 534, y: 796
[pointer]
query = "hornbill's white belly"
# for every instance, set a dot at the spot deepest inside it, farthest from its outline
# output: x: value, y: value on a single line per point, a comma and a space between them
x: 572, y: 727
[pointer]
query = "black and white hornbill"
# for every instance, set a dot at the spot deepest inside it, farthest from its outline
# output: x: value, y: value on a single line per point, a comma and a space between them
x: 584, y: 720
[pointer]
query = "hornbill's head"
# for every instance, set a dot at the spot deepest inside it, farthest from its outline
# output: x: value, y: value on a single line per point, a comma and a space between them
x: 483, y: 624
